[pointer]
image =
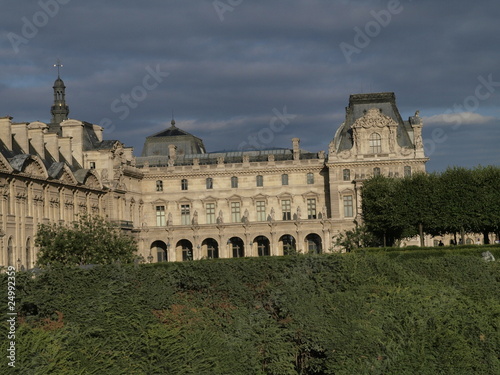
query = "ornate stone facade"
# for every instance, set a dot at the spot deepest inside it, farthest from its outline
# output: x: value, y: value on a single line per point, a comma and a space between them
x: 182, y: 205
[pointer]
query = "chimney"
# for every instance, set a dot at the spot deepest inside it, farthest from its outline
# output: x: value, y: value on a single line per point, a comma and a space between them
x: 20, y: 133
x: 65, y: 149
x: 296, y: 148
x: 52, y: 145
x: 6, y: 131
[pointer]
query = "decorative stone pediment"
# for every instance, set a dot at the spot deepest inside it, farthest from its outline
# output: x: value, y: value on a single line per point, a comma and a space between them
x: 373, y: 118
x: 34, y: 167
x: 159, y: 202
x: 309, y: 194
x: 4, y: 164
x: 259, y: 197
x: 234, y: 198
x: 284, y: 196
x: 92, y: 182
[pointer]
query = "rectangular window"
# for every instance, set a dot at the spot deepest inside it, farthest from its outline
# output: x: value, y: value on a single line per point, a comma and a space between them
x: 310, y: 178
x: 160, y: 216
x: 348, y: 207
x: 311, y: 208
x: 159, y: 185
x: 184, y: 184
x: 185, y: 214
x: 347, y: 174
x: 260, y: 181
x: 210, y: 213
x: 286, y: 208
x: 261, y: 211
x: 234, y: 182
x: 210, y: 183
x: 407, y: 171
x: 284, y: 179
x: 235, y: 212
x: 92, y: 165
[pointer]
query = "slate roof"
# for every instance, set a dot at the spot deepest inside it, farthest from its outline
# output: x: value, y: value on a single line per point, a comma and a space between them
x: 359, y: 104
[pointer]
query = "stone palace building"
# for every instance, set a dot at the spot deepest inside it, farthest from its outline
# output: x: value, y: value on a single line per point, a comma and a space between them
x: 182, y: 202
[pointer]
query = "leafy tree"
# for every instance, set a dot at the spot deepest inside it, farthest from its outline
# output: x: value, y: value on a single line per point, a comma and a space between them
x: 487, y: 202
x: 420, y: 198
x: 356, y: 238
x: 91, y: 240
x: 382, y: 211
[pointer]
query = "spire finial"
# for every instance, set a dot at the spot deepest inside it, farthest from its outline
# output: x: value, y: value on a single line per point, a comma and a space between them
x: 58, y: 65
x: 173, y: 121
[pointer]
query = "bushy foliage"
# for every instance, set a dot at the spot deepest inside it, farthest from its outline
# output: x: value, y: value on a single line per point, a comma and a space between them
x: 458, y: 200
x: 90, y: 240
x: 375, y: 313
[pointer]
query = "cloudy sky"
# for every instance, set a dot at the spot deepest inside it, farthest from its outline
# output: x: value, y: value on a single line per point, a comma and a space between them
x: 241, y: 73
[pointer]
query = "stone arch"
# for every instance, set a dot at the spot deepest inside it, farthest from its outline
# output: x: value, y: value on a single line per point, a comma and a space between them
x: 185, y: 247
x: 237, y: 247
x: 313, y: 243
x: 210, y: 248
x: 29, y: 254
x: 159, y: 249
x: 263, y: 245
x: 287, y: 244
x: 10, y: 252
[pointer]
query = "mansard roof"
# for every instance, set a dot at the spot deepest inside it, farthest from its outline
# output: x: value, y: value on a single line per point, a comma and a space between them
x: 186, y: 143
x: 279, y: 154
x: 359, y: 105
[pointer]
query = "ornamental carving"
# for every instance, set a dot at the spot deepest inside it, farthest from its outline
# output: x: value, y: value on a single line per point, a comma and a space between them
x: 405, y: 151
x: 346, y: 154
x: 374, y: 119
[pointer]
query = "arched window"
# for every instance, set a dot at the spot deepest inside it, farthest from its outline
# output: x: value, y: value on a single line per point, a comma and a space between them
x: 375, y: 143
x: 260, y: 180
x: 210, y: 183
x: 159, y: 185
x: 284, y: 179
x: 184, y: 184
x: 10, y: 252
x: 234, y: 182
x: 347, y: 174
x: 28, y: 254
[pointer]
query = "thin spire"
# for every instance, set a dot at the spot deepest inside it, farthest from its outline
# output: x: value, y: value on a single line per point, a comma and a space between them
x: 58, y: 65
x: 173, y: 121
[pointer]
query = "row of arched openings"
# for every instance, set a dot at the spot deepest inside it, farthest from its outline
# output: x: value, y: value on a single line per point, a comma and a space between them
x: 210, y: 247
x: 27, y: 262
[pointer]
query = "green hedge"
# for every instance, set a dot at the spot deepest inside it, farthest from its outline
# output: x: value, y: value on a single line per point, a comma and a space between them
x: 371, y: 313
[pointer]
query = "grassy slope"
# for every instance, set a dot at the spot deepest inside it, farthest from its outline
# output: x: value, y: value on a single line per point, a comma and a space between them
x: 397, y: 312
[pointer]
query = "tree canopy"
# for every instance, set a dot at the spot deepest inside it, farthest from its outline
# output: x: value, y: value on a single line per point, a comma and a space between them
x: 458, y: 200
x: 90, y: 240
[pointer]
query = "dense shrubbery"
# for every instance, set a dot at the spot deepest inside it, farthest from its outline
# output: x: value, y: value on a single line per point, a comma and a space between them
x: 371, y: 313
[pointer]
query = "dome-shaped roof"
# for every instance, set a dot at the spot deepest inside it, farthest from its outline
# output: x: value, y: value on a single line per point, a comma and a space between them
x: 59, y: 83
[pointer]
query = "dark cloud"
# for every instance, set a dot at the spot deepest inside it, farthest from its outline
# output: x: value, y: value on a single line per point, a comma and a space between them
x: 230, y: 71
